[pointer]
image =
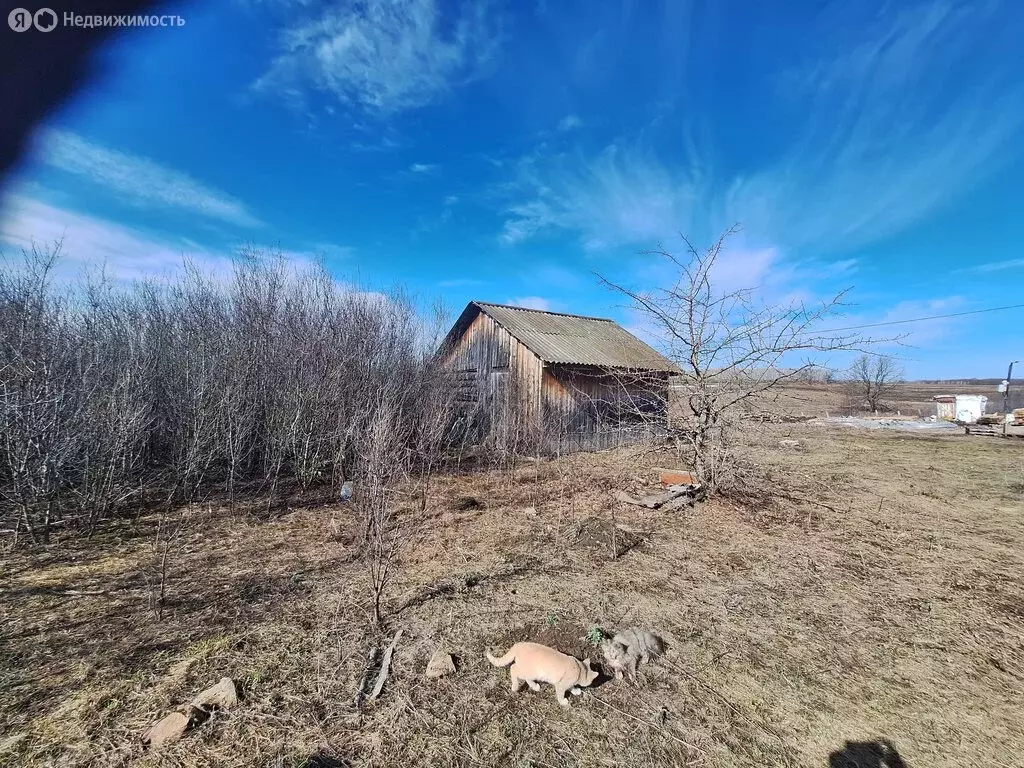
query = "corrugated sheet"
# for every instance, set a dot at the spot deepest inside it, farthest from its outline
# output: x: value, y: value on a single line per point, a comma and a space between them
x: 575, y: 339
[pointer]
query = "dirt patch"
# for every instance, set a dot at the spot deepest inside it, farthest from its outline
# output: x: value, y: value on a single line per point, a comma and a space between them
x: 466, y: 503
x: 555, y: 632
x: 604, y: 536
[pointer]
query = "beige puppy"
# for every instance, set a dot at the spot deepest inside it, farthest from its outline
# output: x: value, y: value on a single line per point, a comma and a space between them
x: 533, y: 663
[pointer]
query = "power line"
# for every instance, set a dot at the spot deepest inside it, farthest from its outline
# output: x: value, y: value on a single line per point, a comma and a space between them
x: 921, y: 319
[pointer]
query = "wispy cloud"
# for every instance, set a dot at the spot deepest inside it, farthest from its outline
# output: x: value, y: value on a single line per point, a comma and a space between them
x: 126, y: 253
x: 383, y: 55
x: 569, y: 123
x: 139, y: 181
x: 888, y: 142
x: 995, y: 266
x: 772, y: 275
x: 434, y: 221
x: 531, y: 302
x: 622, y: 196
x: 316, y: 252
x: 885, y: 143
x: 335, y: 251
x: 381, y: 143
x: 423, y: 167
x: 924, y: 333
x: 88, y: 242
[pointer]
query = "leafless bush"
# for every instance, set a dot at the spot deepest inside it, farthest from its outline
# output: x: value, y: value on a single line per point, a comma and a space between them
x: 197, y: 386
x: 382, y: 463
x: 733, y: 351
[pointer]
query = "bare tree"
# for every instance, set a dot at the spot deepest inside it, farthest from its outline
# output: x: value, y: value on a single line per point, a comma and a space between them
x: 874, y: 378
x: 734, y: 352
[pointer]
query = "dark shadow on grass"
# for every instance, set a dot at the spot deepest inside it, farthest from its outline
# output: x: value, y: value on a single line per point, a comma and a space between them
x: 323, y: 761
x: 602, y: 678
x: 463, y: 584
x: 867, y: 754
x: 119, y: 631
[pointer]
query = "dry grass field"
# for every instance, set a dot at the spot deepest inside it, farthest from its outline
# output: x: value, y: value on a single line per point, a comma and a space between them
x: 910, y: 398
x: 876, y: 594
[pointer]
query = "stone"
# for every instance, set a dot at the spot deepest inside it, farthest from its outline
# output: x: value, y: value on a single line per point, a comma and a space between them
x: 440, y: 664
x: 168, y: 730
x: 223, y: 695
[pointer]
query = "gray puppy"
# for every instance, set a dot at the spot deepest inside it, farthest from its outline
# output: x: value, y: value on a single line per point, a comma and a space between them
x: 629, y: 648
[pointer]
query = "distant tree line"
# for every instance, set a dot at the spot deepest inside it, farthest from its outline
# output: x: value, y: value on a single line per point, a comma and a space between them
x: 168, y: 390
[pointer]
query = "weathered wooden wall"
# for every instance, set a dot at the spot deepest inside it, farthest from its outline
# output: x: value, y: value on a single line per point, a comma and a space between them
x: 587, y: 408
x: 564, y: 407
x: 494, y: 370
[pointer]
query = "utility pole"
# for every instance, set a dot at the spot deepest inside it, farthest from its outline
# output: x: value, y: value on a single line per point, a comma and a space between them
x: 1006, y: 387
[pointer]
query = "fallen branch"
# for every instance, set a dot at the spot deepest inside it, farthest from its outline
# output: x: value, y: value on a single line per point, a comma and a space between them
x: 385, y: 666
x: 650, y: 725
x: 805, y: 500
x: 767, y: 729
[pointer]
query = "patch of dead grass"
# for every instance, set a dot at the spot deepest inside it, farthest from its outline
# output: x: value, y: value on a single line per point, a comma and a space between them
x: 875, y: 592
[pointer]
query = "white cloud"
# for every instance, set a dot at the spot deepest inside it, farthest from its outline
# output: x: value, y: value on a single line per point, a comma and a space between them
x: 123, y: 253
x: 531, y: 302
x: 326, y: 252
x: 333, y: 251
x: 739, y: 266
x: 383, y: 55
x: 569, y: 123
x: 140, y: 181
x: 423, y: 167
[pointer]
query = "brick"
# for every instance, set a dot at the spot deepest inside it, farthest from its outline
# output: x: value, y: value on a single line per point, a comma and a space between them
x: 675, y: 477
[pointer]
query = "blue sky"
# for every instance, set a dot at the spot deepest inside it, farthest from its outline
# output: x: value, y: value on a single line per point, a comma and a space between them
x: 508, y: 151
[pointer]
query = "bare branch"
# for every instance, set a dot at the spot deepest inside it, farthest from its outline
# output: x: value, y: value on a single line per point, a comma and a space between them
x: 732, y: 350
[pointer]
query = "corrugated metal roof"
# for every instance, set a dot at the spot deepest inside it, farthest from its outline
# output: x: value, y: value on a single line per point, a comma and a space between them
x: 576, y: 339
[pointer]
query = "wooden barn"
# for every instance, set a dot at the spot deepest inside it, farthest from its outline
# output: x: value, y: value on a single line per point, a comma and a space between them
x: 564, y: 382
